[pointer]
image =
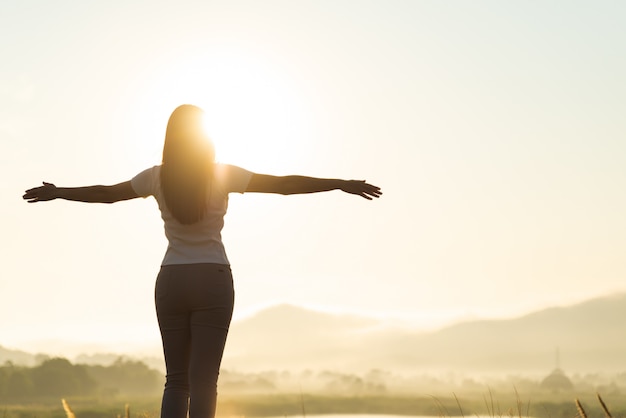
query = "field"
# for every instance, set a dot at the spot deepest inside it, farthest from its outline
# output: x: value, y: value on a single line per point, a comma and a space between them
x: 487, y: 404
x: 95, y: 391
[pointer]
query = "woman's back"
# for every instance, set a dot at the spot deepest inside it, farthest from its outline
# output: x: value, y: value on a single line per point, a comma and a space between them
x: 201, y: 241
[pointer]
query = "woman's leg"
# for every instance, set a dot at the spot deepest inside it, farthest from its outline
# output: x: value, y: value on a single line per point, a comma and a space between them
x: 194, y: 307
x: 173, y: 317
x: 209, y: 327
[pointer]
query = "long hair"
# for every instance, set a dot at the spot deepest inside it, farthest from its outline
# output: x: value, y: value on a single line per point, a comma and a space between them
x: 188, y: 161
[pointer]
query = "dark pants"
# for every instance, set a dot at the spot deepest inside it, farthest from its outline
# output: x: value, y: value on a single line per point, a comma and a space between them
x: 194, y: 304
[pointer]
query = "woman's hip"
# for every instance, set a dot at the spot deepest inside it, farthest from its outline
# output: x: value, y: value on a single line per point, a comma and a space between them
x: 194, y: 286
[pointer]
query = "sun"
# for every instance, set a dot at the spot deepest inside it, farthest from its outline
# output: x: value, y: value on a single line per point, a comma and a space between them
x: 253, y: 110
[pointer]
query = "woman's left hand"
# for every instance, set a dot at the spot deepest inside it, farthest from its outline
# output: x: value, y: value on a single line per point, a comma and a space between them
x: 361, y: 188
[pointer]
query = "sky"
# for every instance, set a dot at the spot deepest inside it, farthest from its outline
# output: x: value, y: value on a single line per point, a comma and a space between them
x: 494, y: 128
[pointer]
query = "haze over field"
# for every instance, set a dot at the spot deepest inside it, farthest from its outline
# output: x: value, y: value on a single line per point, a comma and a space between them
x: 495, y: 129
x: 581, y: 339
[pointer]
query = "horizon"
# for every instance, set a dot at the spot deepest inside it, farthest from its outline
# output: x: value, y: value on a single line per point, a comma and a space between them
x: 137, y: 347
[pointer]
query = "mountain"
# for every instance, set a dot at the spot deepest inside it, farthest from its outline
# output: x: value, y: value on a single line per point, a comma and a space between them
x: 17, y: 357
x: 286, y: 336
x: 589, y: 336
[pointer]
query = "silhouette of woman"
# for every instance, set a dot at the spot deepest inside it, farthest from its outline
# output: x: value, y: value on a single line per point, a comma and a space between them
x: 194, y: 289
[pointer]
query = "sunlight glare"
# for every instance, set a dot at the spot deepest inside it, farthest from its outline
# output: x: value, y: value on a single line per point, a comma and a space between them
x: 253, y: 112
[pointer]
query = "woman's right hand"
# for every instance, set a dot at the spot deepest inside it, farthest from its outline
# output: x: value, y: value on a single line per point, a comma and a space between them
x: 41, y: 194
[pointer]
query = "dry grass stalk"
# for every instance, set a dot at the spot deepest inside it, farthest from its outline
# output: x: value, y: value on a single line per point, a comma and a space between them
x: 604, y: 408
x: 126, y: 411
x: 68, y: 410
x: 302, y: 403
x: 443, y: 411
x: 518, y: 401
x: 459, y: 404
x: 581, y: 411
x: 490, y: 411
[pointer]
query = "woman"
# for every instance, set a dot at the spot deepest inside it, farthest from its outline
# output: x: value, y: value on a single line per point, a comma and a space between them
x: 194, y: 289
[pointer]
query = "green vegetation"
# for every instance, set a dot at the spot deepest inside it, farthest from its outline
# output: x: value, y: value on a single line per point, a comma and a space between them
x: 96, y: 391
x: 56, y: 378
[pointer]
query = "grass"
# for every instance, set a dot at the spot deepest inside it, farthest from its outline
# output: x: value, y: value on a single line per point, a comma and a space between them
x: 68, y: 410
x: 492, y: 405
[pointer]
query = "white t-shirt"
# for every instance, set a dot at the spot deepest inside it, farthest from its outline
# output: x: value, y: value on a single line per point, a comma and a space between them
x: 200, y: 242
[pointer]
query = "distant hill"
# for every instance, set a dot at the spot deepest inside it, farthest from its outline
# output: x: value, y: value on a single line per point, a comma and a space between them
x: 286, y: 336
x: 589, y: 335
x: 23, y: 358
x: 17, y: 357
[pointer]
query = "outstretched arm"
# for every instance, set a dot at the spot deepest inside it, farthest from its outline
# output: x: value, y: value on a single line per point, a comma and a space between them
x: 263, y: 183
x: 89, y: 194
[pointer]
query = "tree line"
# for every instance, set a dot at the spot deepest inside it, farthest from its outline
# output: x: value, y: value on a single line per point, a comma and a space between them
x: 58, y: 378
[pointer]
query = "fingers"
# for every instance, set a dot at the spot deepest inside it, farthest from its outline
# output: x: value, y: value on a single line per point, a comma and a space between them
x: 370, y: 193
x: 30, y: 198
x: 364, y: 189
x: 371, y: 190
x: 35, y: 194
x: 29, y: 194
x: 32, y: 192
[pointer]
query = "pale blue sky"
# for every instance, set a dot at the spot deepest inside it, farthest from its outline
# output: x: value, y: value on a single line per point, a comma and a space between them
x: 495, y: 129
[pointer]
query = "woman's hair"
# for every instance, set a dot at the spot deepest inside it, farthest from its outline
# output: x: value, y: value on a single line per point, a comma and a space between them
x: 188, y: 160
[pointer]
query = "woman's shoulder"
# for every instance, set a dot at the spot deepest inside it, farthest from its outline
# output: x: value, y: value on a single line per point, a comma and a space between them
x: 146, y: 182
x: 232, y: 177
x: 150, y: 170
x: 151, y: 174
x: 225, y: 170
